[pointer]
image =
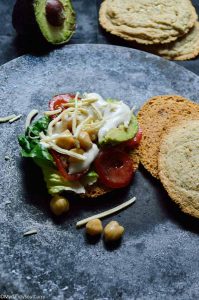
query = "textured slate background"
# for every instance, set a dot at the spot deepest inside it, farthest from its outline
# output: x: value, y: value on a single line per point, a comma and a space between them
x: 172, y: 273
x: 158, y: 256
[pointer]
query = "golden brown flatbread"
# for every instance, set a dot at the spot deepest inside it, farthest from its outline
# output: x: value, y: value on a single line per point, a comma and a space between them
x: 178, y: 165
x: 147, y: 21
x: 184, y: 48
x: 155, y: 117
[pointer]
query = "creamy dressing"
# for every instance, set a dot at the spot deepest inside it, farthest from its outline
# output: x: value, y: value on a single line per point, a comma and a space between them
x: 115, y: 114
x: 80, y: 166
x: 100, y: 101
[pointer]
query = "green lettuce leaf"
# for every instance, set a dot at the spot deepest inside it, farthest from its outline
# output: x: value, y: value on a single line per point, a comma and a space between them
x: 31, y: 147
x: 89, y: 178
x: 55, y: 182
x: 29, y: 141
x: 39, y: 126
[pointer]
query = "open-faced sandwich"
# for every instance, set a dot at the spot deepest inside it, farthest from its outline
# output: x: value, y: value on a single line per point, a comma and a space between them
x: 84, y: 144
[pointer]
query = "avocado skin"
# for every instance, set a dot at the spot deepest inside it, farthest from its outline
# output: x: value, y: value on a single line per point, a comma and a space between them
x: 25, y: 23
x: 23, y: 17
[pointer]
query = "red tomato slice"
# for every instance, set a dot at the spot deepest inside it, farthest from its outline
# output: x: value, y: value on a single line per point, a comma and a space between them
x: 131, y: 144
x: 114, y: 167
x: 60, y: 166
x: 58, y: 100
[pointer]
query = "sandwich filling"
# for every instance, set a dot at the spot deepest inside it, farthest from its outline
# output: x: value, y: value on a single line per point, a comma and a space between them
x: 72, y: 141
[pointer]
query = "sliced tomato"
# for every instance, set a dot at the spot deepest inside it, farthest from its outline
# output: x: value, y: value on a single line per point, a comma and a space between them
x: 114, y: 167
x: 58, y: 100
x: 61, y: 168
x: 131, y: 144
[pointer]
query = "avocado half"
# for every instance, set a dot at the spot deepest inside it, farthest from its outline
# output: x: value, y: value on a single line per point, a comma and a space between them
x: 53, y: 19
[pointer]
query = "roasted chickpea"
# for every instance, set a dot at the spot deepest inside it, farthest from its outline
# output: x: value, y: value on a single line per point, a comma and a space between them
x: 73, y: 159
x: 66, y: 142
x: 93, y: 134
x: 69, y: 124
x: 113, y: 231
x: 59, y: 205
x: 85, y: 141
x: 94, y: 227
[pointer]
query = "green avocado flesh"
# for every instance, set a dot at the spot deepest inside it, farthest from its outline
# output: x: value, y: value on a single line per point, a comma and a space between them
x: 55, y: 34
x: 121, y: 134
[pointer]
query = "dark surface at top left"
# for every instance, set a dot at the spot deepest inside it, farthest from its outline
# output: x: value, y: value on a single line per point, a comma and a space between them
x: 88, y: 31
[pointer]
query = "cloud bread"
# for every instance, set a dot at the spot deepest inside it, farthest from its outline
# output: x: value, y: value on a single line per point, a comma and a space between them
x: 179, y: 165
x: 98, y: 189
x: 147, y: 21
x: 184, y: 48
x: 157, y: 115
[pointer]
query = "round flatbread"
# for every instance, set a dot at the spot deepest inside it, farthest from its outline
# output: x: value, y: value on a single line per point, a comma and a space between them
x: 155, y: 117
x: 147, y: 21
x: 179, y: 165
x: 186, y: 47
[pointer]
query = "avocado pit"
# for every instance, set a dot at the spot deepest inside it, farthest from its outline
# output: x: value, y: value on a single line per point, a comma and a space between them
x: 55, y: 12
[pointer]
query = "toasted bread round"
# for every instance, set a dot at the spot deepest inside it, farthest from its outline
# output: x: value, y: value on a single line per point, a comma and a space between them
x: 178, y: 165
x: 184, y: 48
x: 98, y: 189
x: 147, y: 21
x: 155, y: 117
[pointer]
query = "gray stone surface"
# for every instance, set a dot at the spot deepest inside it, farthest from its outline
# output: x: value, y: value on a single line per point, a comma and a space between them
x: 158, y: 257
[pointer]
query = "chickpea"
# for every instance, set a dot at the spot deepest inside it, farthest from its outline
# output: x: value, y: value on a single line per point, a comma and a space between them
x: 73, y: 159
x: 85, y: 141
x: 93, y: 134
x: 60, y: 127
x: 113, y: 231
x: 69, y: 124
x: 94, y: 227
x: 66, y: 142
x: 59, y: 205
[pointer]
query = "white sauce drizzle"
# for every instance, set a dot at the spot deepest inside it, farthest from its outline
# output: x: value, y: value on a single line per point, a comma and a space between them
x: 100, y: 101
x: 114, y: 114
x: 90, y: 155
